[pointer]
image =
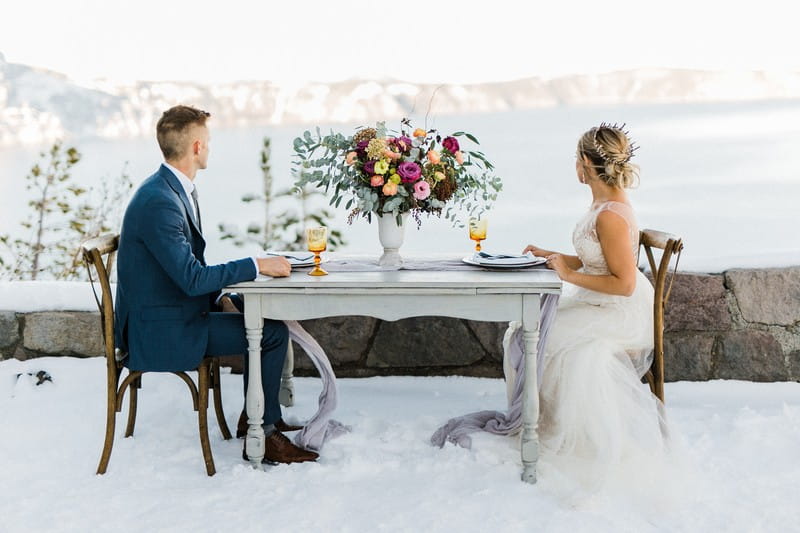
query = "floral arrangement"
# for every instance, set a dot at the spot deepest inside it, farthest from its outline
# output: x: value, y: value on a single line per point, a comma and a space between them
x: 413, y: 170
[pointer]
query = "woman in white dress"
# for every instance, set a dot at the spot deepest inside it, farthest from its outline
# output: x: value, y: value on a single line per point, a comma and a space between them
x: 597, y: 419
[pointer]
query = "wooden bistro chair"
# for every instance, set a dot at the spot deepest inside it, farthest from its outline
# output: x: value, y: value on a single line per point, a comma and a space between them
x: 670, y: 246
x: 94, y: 251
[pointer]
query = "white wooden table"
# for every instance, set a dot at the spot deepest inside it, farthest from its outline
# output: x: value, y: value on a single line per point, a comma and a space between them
x: 469, y: 294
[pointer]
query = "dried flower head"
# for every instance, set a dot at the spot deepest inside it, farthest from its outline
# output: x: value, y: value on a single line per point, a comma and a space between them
x: 375, y: 148
x: 367, y: 134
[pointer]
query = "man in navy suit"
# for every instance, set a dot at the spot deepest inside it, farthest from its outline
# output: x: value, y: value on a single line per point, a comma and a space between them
x: 166, y: 291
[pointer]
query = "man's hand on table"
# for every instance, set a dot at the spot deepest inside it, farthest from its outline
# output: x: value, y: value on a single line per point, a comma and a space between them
x: 276, y: 267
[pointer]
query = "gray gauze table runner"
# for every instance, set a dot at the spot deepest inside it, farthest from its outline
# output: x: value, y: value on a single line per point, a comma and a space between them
x: 321, y: 427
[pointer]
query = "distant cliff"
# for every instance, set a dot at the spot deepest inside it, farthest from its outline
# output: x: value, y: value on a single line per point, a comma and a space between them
x: 38, y: 105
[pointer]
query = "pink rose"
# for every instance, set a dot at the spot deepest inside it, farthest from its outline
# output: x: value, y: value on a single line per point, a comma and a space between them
x: 351, y: 158
x: 409, y: 171
x: 434, y: 157
x: 389, y: 188
x: 459, y: 157
x: 450, y: 144
x: 422, y: 190
x: 376, y: 181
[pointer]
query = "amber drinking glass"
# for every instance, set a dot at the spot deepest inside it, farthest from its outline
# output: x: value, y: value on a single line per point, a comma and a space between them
x: 317, y: 239
x: 477, y: 231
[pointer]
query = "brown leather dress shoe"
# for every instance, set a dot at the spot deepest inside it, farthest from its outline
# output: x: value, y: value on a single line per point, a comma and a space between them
x: 279, y: 449
x: 280, y: 425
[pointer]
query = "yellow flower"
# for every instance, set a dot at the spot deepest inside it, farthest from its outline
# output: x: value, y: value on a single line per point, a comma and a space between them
x: 375, y: 148
x: 395, y: 178
x: 438, y: 176
x: 381, y: 166
x: 419, y: 132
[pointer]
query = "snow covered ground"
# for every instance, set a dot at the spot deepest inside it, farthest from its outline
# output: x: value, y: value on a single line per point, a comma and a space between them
x: 742, y: 439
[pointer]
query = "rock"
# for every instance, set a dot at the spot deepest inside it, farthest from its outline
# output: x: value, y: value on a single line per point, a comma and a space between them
x: 345, y: 339
x: 9, y: 332
x: 234, y: 362
x: 794, y: 365
x: 688, y: 356
x: 697, y: 303
x: 490, y: 335
x: 424, y: 341
x: 767, y: 296
x: 63, y: 333
x: 752, y: 355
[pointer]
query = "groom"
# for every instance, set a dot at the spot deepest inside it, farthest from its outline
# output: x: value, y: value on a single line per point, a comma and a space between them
x: 166, y: 291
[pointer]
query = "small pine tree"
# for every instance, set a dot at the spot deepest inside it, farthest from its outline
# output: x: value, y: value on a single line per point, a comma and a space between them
x: 63, y: 215
x: 286, y: 229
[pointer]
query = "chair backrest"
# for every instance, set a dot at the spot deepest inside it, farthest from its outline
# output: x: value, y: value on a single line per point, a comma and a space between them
x: 670, y: 246
x: 94, y: 250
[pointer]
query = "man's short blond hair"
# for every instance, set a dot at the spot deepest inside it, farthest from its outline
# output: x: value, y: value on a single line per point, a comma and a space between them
x: 173, y: 128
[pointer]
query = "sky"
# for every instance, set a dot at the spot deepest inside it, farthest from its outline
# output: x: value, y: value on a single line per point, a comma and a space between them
x: 456, y: 41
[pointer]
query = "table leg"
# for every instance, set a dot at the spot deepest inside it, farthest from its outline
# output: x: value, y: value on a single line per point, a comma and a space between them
x: 530, y: 393
x: 254, y: 401
x: 286, y: 394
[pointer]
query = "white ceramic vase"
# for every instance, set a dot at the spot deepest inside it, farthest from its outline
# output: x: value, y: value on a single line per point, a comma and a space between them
x: 391, y: 236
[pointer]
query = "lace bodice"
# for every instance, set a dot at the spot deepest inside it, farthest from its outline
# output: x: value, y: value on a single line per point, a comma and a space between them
x: 585, y: 240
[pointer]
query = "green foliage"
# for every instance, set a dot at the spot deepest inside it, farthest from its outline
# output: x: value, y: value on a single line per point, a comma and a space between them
x: 285, y: 229
x: 459, y: 180
x: 62, y: 216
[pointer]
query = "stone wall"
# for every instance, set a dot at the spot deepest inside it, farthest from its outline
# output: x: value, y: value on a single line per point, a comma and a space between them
x: 741, y: 324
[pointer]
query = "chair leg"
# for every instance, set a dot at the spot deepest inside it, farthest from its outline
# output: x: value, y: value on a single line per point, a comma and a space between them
x: 202, y: 416
x: 135, y: 386
x: 216, y: 386
x: 111, y: 423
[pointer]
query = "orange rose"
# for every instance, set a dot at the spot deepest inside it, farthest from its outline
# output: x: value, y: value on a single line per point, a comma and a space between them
x: 434, y: 157
x: 376, y: 181
x: 459, y: 157
x: 391, y: 155
x: 351, y: 158
x: 389, y: 188
x: 419, y: 132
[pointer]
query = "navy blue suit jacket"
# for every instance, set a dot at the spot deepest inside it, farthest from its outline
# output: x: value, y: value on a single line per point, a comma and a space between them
x: 164, y: 287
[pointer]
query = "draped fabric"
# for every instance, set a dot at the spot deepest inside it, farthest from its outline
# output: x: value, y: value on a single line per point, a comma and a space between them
x: 457, y: 430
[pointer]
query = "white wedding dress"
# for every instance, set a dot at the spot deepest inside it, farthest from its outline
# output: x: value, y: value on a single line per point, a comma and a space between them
x: 598, y: 422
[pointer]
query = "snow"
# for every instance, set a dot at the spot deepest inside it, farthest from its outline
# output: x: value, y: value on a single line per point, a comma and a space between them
x: 384, y: 476
x: 740, y: 440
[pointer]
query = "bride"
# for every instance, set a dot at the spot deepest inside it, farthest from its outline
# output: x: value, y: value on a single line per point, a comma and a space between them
x: 597, y: 418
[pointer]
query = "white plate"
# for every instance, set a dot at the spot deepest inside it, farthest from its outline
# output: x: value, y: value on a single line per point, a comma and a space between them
x: 504, y: 266
x: 296, y: 259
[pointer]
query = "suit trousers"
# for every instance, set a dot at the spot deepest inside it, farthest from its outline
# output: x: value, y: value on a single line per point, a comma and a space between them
x: 226, y: 336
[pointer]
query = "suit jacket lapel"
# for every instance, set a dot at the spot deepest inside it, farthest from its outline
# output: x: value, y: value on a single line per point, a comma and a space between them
x: 173, y: 182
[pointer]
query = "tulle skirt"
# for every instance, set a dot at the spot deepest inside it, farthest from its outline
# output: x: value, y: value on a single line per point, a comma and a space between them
x: 599, y: 423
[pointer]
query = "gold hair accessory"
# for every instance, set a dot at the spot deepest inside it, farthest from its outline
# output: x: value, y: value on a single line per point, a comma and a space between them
x: 622, y: 158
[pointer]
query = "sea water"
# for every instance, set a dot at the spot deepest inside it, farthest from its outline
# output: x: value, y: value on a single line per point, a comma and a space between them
x: 725, y: 177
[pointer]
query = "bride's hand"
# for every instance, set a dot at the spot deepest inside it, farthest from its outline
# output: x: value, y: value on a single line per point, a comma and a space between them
x: 538, y: 252
x: 557, y: 263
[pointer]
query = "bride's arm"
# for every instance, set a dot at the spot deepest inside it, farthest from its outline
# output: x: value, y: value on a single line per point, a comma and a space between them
x: 573, y: 261
x: 614, y: 237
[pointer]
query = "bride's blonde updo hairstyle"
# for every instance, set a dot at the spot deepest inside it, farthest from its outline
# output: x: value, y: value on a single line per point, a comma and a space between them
x: 609, y: 151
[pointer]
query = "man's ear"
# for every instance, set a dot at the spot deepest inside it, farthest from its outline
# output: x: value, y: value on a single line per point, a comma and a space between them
x: 196, y: 147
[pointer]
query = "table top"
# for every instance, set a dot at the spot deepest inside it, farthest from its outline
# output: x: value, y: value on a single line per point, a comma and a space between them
x: 530, y: 280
